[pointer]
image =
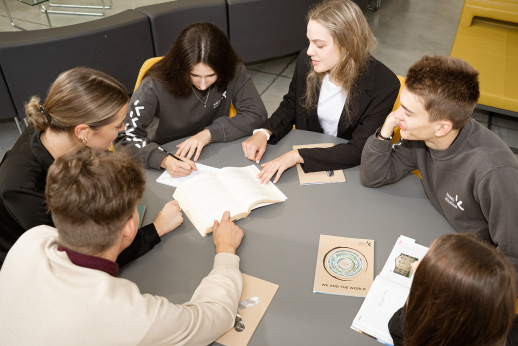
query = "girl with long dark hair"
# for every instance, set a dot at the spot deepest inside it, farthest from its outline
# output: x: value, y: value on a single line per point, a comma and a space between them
x: 463, y: 293
x: 338, y: 88
x: 190, y: 92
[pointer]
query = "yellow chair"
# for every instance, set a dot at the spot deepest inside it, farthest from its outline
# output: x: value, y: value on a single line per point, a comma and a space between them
x: 487, y: 38
x: 397, y: 135
x: 150, y: 62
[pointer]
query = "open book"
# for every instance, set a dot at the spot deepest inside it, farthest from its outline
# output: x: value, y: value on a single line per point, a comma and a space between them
x: 389, y: 291
x: 206, y: 197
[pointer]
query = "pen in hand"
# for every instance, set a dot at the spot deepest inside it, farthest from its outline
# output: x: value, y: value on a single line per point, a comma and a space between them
x: 187, y: 161
x: 168, y: 153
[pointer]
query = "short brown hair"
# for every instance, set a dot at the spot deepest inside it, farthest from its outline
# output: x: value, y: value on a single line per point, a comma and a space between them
x: 91, y: 194
x: 78, y: 96
x: 463, y: 293
x: 447, y: 86
x: 198, y: 43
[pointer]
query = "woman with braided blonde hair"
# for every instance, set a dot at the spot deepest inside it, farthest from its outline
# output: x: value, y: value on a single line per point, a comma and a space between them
x: 338, y: 88
x: 84, y: 107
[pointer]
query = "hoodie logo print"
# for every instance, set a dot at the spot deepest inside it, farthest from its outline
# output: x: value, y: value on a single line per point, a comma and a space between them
x: 453, y: 201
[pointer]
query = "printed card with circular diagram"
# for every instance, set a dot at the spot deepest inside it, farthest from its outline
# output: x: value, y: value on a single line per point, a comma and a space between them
x: 345, y: 266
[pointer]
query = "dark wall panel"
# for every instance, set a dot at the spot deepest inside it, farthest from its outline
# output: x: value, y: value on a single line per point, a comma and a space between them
x: 265, y: 29
x: 117, y: 45
x: 170, y: 18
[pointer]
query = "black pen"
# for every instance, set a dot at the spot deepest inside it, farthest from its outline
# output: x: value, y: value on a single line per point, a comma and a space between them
x: 168, y: 153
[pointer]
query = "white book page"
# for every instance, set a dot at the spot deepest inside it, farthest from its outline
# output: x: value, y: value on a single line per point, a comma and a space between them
x: 261, y: 205
x: 242, y: 182
x: 404, y: 253
x: 166, y: 179
x: 208, y: 198
x: 384, y: 299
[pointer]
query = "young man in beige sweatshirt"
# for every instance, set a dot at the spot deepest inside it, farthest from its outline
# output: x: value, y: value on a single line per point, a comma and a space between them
x: 468, y: 173
x: 60, y: 286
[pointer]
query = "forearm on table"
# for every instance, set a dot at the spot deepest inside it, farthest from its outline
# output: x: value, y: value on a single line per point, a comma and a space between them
x: 145, y: 240
x: 340, y: 156
x: 380, y: 165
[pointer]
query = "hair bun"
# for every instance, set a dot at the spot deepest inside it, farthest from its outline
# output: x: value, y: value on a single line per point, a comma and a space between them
x: 38, y: 117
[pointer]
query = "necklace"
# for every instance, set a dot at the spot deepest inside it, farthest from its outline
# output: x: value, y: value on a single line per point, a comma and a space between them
x: 204, y: 104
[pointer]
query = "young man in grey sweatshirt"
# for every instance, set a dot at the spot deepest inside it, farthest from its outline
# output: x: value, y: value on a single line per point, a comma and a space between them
x: 469, y: 174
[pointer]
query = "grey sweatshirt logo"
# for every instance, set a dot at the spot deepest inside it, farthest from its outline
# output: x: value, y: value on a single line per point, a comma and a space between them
x: 224, y: 96
x: 453, y: 201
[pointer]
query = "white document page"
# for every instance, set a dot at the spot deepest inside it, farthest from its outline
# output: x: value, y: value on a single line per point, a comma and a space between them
x: 166, y: 179
x: 404, y: 246
x: 242, y: 182
x: 384, y: 299
x: 210, y: 198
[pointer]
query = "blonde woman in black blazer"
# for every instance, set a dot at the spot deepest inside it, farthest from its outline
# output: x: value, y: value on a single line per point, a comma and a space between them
x: 339, y: 50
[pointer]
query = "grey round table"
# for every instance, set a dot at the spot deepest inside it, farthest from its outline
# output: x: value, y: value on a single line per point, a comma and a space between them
x: 281, y: 243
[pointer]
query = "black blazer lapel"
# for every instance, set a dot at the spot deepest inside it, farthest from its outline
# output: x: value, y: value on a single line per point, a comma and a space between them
x: 313, y: 122
x: 360, y: 101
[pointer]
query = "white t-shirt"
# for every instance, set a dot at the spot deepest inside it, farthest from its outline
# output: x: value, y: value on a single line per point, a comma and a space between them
x: 330, y: 106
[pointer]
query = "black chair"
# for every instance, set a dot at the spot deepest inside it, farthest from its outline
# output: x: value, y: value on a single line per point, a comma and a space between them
x: 170, y: 18
x: 8, y: 110
x: 32, y: 60
x: 265, y: 29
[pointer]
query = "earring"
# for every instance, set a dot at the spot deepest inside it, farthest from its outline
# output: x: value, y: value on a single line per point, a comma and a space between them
x: 82, y: 139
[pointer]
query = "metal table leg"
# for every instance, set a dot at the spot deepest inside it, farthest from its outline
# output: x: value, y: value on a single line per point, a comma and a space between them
x: 102, y: 7
x: 10, y: 18
x: 16, y: 26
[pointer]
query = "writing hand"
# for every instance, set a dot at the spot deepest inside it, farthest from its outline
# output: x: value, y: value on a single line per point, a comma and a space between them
x: 178, y: 168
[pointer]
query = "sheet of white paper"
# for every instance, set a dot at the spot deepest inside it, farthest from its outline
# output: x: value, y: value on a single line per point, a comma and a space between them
x: 384, y: 299
x: 166, y: 179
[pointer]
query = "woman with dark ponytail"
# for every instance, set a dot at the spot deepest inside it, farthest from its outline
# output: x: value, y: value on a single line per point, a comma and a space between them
x: 83, y: 107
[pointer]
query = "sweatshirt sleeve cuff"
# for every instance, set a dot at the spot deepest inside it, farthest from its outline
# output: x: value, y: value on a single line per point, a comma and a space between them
x: 216, y: 133
x: 155, y: 159
x: 379, y: 145
x: 227, y: 260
